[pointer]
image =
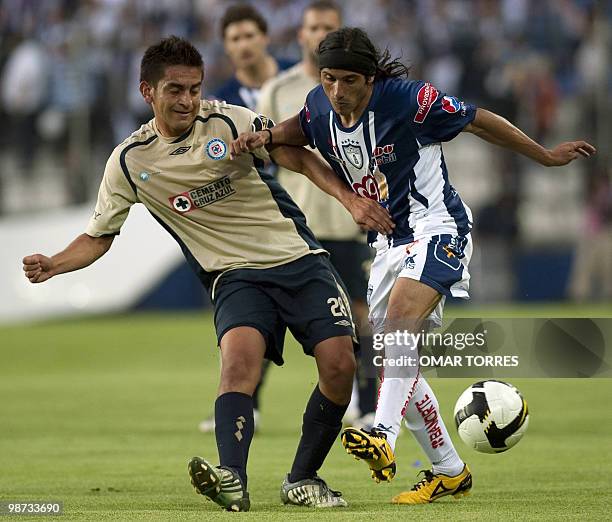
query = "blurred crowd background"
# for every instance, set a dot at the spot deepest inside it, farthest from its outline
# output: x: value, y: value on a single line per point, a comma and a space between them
x: 69, y: 93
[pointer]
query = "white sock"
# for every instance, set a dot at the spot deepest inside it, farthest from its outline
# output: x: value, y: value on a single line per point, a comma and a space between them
x: 395, y: 389
x: 423, y: 419
x: 352, y: 410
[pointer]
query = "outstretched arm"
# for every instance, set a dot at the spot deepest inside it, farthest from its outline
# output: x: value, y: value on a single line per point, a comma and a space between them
x: 288, y: 132
x: 82, y: 252
x: 495, y: 129
x: 367, y: 213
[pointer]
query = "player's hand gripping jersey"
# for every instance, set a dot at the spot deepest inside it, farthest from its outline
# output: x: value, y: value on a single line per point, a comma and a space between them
x: 393, y: 154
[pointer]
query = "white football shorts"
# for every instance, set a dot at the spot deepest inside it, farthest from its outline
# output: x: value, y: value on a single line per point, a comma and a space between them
x: 440, y: 261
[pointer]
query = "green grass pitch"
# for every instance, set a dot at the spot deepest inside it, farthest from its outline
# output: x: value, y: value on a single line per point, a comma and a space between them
x: 102, y: 413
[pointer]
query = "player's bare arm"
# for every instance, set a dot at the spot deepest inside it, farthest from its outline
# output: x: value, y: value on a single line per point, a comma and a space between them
x: 495, y: 129
x: 367, y: 213
x: 82, y: 252
x: 288, y: 132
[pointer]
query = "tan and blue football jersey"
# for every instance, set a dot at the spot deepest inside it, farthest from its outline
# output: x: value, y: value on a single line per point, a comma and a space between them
x: 225, y: 214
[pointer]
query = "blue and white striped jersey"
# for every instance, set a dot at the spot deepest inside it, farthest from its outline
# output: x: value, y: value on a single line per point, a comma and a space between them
x: 393, y: 154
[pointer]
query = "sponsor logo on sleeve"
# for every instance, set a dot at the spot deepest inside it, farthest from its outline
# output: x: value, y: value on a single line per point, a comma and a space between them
x: 426, y: 97
x: 451, y: 104
x: 202, y: 196
x: 216, y: 149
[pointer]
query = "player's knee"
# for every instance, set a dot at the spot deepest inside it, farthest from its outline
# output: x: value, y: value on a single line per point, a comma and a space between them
x: 236, y: 375
x: 340, y: 369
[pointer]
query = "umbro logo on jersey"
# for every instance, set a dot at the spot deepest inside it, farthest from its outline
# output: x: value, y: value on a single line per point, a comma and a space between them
x: 180, y: 150
x: 344, y: 322
x: 202, y: 196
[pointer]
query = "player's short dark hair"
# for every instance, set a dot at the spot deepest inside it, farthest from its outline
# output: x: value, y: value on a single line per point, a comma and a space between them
x: 357, y: 41
x: 323, y: 5
x: 170, y: 51
x: 241, y: 12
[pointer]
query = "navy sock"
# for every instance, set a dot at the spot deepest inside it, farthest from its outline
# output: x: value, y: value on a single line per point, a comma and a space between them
x: 234, y: 431
x: 322, y: 422
x: 368, y: 388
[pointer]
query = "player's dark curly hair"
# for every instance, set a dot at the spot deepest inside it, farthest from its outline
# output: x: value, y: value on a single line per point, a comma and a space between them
x: 356, y: 40
x: 170, y: 51
x: 241, y: 12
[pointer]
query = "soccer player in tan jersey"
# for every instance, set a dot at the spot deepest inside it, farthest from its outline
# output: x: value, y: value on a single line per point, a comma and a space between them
x: 249, y: 244
x: 281, y: 98
x: 245, y: 38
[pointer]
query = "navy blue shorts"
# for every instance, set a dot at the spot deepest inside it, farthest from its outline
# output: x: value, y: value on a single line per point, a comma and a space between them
x: 352, y: 260
x: 306, y: 296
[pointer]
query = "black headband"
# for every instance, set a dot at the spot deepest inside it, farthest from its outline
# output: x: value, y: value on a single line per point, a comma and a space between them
x: 348, y: 61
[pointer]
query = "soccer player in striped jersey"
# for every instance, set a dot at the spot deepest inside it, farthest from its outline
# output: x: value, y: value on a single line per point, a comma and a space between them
x: 280, y: 98
x: 249, y: 245
x: 381, y: 133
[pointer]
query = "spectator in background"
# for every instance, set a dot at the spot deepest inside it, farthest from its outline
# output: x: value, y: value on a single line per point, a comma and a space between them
x: 245, y: 36
x: 138, y: 112
x: 592, y: 270
x: 24, y: 86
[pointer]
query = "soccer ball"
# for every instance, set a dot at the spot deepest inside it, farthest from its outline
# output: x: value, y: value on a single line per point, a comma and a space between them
x: 491, y: 416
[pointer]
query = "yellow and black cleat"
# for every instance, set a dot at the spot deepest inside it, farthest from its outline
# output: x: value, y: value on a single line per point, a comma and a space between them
x: 371, y: 446
x: 435, y: 486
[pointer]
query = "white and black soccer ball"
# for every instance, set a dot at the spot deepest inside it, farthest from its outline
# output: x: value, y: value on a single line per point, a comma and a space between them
x: 491, y: 416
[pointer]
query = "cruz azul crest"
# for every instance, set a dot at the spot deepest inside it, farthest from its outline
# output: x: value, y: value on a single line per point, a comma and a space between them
x: 353, y: 153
